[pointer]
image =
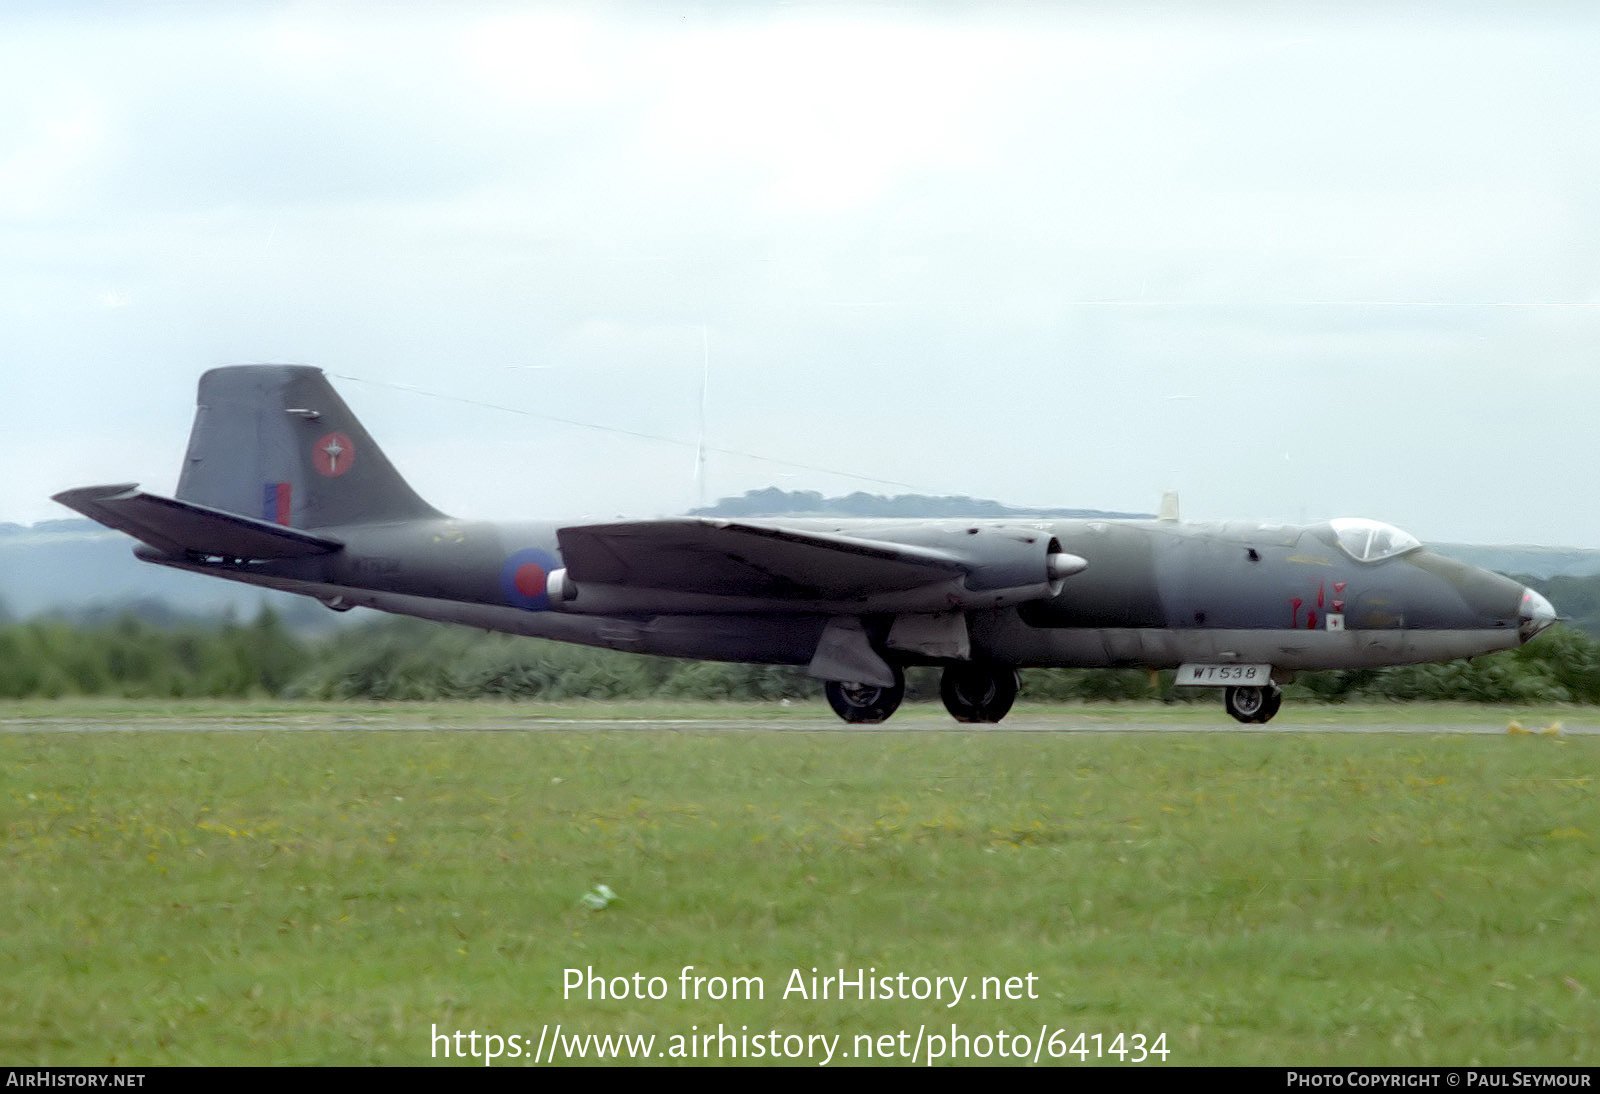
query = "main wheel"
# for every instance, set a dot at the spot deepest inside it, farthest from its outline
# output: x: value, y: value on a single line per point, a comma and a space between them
x: 866, y: 704
x: 978, y: 693
x: 1253, y: 706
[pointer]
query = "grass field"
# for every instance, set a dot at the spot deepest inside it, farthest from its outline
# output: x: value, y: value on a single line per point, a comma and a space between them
x: 264, y: 896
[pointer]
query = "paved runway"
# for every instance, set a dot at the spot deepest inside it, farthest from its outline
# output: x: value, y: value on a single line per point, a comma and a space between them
x: 818, y: 720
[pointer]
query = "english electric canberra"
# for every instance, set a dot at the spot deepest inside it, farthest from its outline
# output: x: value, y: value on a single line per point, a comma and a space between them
x: 282, y: 487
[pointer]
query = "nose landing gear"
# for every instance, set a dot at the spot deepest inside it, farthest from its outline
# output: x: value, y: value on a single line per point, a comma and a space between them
x: 1253, y: 705
x: 866, y: 704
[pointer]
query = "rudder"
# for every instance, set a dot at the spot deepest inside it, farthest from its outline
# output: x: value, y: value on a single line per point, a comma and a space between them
x: 276, y: 442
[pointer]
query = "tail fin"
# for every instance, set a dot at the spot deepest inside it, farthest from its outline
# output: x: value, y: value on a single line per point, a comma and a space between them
x: 276, y: 442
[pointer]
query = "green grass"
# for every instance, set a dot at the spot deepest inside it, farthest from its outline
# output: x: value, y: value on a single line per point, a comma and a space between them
x: 260, y: 896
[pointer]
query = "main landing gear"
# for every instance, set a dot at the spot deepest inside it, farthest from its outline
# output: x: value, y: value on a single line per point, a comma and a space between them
x: 1253, y: 705
x: 866, y: 704
x: 978, y: 693
x: 972, y: 693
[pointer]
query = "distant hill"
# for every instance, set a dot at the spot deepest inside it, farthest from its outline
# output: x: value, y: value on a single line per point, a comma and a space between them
x: 81, y: 571
x: 773, y: 502
x: 1542, y: 562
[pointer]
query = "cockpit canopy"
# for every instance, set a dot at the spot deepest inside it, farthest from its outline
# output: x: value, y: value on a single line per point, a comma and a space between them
x: 1371, y: 540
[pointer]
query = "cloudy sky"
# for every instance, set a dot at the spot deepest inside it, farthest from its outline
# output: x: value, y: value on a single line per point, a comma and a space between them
x: 1291, y: 260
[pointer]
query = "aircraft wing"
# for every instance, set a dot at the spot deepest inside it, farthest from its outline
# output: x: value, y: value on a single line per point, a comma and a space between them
x: 179, y: 527
x: 733, y: 558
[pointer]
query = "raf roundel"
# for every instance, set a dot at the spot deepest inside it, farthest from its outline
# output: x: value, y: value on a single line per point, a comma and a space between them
x: 524, y: 578
x: 529, y: 578
x: 332, y: 455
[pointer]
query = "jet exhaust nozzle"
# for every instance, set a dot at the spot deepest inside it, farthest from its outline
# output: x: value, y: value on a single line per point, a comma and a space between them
x: 560, y: 588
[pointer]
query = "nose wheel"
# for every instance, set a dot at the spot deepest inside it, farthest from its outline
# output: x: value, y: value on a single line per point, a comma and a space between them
x: 866, y: 704
x: 1253, y: 705
x: 978, y: 693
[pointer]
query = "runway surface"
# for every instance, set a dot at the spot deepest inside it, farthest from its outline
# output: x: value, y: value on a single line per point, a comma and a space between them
x: 499, y: 720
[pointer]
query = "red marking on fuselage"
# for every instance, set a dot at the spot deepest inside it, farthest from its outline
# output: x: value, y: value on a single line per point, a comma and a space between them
x: 1338, y: 586
x: 529, y: 579
x: 1296, y: 602
x: 1311, y: 621
x: 1319, y: 594
x: 282, y: 514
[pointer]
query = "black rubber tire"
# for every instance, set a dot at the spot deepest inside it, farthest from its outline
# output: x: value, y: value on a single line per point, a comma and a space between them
x: 866, y: 704
x: 1253, y: 706
x: 978, y: 694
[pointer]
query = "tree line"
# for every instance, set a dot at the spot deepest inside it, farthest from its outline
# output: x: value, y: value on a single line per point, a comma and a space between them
x: 409, y: 659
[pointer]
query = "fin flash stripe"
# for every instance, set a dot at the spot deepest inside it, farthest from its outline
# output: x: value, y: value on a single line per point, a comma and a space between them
x: 276, y: 498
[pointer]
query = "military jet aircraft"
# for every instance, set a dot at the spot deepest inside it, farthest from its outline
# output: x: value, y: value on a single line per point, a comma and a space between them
x: 282, y: 487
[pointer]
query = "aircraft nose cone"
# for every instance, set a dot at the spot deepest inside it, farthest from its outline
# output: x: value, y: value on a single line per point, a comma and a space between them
x: 1535, y: 615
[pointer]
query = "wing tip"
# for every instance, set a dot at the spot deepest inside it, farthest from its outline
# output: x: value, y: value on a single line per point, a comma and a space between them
x: 108, y: 492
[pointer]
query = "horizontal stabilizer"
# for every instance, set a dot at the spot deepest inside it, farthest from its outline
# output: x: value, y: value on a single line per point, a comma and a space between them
x: 732, y: 558
x: 181, y: 527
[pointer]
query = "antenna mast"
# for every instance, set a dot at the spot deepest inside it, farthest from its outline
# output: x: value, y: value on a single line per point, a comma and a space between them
x: 700, y: 445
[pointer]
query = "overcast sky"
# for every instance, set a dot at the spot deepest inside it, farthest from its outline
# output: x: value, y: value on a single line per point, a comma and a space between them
x: 1293, y: 261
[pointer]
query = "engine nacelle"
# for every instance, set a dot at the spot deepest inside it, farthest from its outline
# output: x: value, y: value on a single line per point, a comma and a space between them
x: 1015, y: 558
x: 1003, y: 566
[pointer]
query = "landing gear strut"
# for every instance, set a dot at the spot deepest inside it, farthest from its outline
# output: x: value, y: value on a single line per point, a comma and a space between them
x: 866, y: 704
x: 978, y: 693
x: 1253, y: 705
